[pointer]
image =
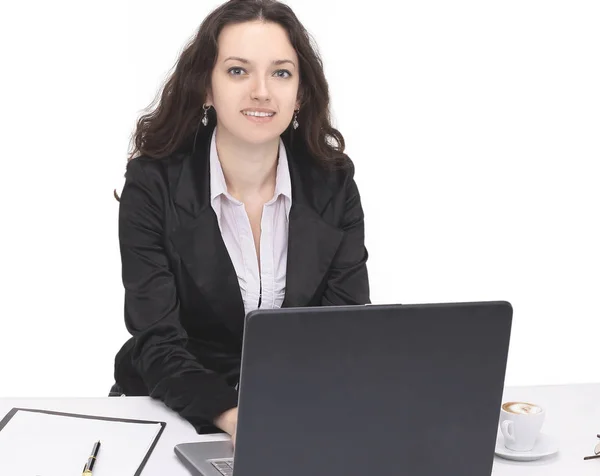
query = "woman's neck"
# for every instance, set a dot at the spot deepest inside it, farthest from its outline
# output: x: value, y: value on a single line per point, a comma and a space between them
x: 250, y: 170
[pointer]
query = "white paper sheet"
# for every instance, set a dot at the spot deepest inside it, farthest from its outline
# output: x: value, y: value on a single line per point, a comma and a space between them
x: 40, y: 444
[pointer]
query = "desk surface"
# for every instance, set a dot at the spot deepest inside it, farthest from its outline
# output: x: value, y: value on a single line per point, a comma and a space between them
x: 573, y: 417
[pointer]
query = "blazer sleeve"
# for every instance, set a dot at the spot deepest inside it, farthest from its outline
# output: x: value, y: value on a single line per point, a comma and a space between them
x: 348, y: 280
x: 170, y: 373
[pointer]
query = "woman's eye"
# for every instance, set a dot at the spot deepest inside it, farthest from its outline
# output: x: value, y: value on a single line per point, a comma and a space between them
x: 235, y: 69
x: 284, y: 71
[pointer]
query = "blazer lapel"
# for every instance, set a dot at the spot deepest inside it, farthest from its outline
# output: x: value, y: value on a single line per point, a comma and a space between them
x: 312, y: 245
x: 312, y: 242
x: 197, y: 237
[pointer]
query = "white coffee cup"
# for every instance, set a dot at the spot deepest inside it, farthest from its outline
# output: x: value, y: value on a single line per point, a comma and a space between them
x: 521, y: 423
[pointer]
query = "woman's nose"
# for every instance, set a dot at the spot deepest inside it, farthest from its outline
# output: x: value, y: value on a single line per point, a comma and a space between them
x: 260, y: 89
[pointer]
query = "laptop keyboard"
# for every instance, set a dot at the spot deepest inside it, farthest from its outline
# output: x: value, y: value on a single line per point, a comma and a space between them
x: 224, y: 466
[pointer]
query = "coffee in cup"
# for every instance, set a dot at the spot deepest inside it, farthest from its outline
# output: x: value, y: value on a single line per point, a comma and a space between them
x: 521, y: 423
x: 522, y: 408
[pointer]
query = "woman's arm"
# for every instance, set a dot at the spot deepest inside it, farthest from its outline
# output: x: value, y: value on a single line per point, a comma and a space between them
x: 348, y: 281
x: 169, y: 371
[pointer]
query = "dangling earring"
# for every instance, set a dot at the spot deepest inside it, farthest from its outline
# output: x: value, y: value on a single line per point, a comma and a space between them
x: 295, y: 121
x: 205, y: 117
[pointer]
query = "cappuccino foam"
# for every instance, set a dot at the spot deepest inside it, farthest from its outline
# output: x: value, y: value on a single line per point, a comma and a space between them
x: 522, y: 408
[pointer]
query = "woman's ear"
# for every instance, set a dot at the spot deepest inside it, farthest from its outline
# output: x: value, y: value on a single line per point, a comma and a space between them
x: 299, y: 98
x: 208, y: 99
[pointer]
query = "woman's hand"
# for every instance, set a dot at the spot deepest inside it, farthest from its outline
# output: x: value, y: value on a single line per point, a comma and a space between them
x: 227, y: 422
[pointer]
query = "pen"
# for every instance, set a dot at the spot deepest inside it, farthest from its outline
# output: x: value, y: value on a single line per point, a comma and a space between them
x: 87, y: 469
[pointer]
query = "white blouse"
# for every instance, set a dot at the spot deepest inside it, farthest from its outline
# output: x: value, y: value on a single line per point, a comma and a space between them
x: 264, y: 289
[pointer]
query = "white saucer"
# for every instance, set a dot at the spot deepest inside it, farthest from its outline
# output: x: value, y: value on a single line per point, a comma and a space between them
x: 545, y: 445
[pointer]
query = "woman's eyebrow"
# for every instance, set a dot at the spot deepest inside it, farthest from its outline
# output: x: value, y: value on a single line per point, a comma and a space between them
x: 245, y: 61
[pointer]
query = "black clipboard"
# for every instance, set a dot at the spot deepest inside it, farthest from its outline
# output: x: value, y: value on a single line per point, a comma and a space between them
x: 138, y: 472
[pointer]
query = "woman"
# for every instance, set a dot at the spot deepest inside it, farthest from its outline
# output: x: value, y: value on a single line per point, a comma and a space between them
x: 240, y: 197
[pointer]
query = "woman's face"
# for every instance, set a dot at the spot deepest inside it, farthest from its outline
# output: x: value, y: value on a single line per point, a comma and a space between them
x: 257, y: 68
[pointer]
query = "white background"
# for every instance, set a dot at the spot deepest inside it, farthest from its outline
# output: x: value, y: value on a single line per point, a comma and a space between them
x: 474, y: 127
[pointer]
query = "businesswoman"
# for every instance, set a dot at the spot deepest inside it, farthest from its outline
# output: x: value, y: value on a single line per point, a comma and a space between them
x: 238, y: 196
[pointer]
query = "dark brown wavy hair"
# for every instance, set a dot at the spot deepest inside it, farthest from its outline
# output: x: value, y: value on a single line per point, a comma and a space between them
x: 173, y: 124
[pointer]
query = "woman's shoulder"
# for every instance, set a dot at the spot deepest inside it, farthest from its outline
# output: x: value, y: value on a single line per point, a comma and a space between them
x: 149, y: 174
x: 149, y: 165
x: 144, y: 167
x: 339, y: 174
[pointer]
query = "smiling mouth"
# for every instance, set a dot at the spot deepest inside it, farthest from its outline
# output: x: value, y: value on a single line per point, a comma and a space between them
x: 258, y: 114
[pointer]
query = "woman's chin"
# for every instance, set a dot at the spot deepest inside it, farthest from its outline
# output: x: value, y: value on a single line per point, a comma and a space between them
x: 259, y: 135
x: 253, y: 133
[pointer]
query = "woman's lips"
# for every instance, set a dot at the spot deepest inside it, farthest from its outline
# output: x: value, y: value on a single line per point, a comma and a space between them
x: 259, y: 119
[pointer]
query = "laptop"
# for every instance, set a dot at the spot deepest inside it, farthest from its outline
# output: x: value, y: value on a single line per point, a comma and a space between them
x: 365, y: 390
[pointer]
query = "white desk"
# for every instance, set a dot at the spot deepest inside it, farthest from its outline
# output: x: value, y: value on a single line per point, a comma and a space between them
x: 573, y: 416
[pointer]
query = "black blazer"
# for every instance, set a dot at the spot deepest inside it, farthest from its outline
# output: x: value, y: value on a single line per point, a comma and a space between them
x: 183, y: 304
